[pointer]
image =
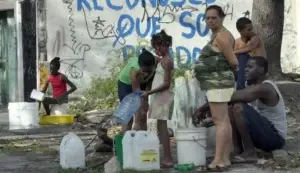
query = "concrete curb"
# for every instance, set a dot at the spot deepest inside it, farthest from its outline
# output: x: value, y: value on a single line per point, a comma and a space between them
x: 39, y: 136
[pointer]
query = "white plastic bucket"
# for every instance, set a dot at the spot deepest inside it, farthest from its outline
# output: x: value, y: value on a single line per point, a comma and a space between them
x: 191, y: 146
x: 23, y: 115
x: 37, y: 95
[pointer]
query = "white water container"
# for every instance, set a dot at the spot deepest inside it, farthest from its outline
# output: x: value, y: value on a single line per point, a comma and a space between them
x: 191, y: 146
x: 23, y: 115
x: 141, y: 151
x: 72, y: 152
x: 127, y: 144
x: 37, y: 95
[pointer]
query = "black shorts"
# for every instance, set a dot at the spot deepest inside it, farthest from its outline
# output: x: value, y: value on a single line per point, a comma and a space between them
x: 263, y: 133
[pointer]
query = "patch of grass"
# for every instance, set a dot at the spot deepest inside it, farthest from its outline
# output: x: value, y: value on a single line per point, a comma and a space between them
x: 7, y: 146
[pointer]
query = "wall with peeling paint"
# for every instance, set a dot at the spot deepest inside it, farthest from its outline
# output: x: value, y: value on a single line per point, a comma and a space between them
x: 85, y: 34
x: 290, y: 53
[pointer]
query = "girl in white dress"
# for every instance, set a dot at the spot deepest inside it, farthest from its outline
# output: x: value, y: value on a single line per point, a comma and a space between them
x: 162, y: 97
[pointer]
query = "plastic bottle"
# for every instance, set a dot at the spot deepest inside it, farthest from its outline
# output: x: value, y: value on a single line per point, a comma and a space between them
x: 72, y: 152
x: 128, y: 107
x: 185, y: 167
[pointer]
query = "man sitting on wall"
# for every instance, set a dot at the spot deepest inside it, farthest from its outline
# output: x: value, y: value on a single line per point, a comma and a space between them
x: 249, y: 44
x: 257, y: 114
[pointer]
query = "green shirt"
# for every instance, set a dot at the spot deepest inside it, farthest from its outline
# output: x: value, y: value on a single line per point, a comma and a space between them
x: 125, y: 75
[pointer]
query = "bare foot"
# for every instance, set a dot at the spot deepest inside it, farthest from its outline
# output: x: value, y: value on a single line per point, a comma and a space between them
x: 227, y: 162
x: 215, y: 164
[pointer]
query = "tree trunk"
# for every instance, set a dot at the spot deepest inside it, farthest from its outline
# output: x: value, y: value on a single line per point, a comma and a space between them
x: 268, y: 21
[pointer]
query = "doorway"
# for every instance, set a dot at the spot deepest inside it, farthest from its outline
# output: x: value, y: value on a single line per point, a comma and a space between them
x: 8, y: 57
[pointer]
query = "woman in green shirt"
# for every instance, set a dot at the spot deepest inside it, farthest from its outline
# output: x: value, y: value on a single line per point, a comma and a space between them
x: 137, y: 75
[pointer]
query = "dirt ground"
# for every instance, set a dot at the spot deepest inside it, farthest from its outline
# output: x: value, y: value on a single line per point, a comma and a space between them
x: 37, y: 151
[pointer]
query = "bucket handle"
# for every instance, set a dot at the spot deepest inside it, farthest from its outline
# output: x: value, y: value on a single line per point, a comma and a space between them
x: 198, y: 143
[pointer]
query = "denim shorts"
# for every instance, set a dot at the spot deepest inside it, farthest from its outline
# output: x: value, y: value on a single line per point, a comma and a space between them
x: 263, y: 133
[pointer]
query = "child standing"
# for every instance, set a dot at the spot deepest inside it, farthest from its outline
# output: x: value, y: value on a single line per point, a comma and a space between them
x: 59, y: 84
x: 162, y: 97
x: 135, y: 76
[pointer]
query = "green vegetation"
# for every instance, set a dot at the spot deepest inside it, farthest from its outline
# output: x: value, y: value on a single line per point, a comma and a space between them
x: 102, y: 93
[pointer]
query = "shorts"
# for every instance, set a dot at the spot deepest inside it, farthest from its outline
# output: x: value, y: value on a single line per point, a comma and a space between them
x: 219, y: 95
x: 125, y: 89
x: 240, y: 76
x: 263, y: 133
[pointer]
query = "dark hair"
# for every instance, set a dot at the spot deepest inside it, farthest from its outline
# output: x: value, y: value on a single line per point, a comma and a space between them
x: 146, y: 59
x: 219, y: 9
x: 56, y: 62
x: 261, y: 62
x: 161, y: 39
x: 242, y: 22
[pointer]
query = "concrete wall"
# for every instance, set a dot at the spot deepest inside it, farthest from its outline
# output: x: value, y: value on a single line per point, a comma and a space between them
x: 290, y: 59
x: 86, y: 33
x: 7, y: 4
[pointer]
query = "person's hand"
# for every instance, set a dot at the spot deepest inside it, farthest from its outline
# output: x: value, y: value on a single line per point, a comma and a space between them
x: 145, y: 94
x: 59, y: 100
x: 200, y: 114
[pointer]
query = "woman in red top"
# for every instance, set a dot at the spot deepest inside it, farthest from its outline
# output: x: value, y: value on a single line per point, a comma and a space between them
x: 59, y: 84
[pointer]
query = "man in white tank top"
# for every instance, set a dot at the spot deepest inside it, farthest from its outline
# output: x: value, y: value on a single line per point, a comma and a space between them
x: 262, y: 122
x: 258, y: 116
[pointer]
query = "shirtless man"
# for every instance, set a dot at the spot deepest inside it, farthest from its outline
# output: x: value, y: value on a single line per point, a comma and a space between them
x: 247, y: 46
x: 249, y: 42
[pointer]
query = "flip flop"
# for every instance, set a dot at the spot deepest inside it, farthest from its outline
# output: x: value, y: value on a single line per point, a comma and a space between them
x: 218, y: 168
x: 239, y: 159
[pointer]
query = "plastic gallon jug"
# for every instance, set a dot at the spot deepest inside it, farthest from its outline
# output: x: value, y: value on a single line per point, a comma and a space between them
x: 72, y: 152
x: 141, y: 151
x: 128, y: 107
x: 37, y: 95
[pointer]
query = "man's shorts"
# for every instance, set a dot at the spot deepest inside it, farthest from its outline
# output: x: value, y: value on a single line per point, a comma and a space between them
x: 263, y: 133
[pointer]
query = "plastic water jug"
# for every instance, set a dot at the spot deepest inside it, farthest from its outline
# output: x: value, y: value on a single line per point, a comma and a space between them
x: 72, y: 152
x: 141, y: 151
x: 37, y: 95
x: 128, y: 107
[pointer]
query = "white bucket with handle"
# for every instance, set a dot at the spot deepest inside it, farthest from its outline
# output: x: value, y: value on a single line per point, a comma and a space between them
x: 37, y: 95
x: 23, y: 115
x: 191, y: 146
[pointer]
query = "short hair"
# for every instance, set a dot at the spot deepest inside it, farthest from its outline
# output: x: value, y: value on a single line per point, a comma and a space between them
x: 161, y: 39
x: 56, y: 62
x: 261, y: 62
x: 146, y: 59
x: 242, y: 22
x: 219, y: 10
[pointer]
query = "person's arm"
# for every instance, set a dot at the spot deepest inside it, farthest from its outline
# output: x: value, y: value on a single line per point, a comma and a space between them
x: 135, y: 82
x: 226, y: 47
x: 251, y: 93
x: 253, y: 43
x: 71, y: 84
x: 168, y: 67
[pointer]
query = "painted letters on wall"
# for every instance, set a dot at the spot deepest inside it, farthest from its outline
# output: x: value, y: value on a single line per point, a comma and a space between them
x: 85, y: 33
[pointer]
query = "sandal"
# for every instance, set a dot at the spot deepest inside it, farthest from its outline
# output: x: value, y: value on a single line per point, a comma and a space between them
x: 217, y: 168
x: 239, y: 159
